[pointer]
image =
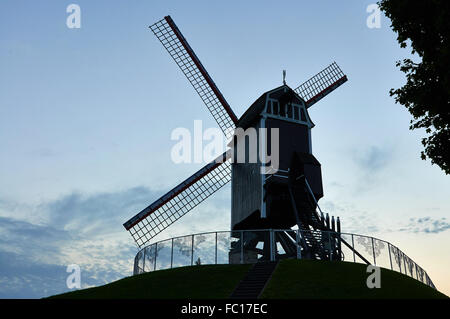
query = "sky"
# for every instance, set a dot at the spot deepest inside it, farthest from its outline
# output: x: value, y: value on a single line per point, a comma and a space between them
x: 86, y: 116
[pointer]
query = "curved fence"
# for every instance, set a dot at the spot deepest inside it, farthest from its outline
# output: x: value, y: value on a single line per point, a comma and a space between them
x: 232, y: 247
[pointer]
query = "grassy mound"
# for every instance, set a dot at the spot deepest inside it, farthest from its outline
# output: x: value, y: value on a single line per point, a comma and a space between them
x: 292, y: 279
x: 307, y: 279
x: 209, y: 281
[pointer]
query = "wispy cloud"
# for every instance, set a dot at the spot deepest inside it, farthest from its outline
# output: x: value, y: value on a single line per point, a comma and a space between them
x: 85, y: 230
x: 75, y: 229
x: 356, y: 220
x: 427, y: 225
x: 372, y: 159
x: 99, y: 213
x: 353, y: 219
x: 22, y: 277
x: 370, y: 162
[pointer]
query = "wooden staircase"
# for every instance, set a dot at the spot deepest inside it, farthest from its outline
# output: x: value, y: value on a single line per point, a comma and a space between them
x: 254, y: 282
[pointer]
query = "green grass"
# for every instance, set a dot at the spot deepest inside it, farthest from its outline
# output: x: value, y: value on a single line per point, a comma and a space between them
x: 292, y: 279
x: 309, y: 279
x: 208, y: 281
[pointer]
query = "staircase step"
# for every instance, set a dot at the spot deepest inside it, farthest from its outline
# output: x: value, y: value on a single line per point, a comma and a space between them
x: 255, y: 280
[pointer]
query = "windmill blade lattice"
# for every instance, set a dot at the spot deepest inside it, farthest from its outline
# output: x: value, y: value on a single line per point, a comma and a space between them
x: 321, y: 84
x: 171, y: 38
x: 179, y: 201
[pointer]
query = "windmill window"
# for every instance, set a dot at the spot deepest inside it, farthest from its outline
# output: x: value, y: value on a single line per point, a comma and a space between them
x: 275, y: 107
x: 269, y: 107
x: 295, y: 112
x: 283, y: 110
x: 302, y: 114
x: 289, y: 111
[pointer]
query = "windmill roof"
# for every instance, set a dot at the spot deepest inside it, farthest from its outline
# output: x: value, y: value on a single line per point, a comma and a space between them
x: 255, y: 110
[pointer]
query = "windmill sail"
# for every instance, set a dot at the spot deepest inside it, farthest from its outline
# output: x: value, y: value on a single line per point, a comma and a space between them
x: 180, y: 200
x: 321, y: 84
x: 171, y: 38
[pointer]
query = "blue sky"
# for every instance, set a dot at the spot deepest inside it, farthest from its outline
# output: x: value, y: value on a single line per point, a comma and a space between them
x: 86, y: 117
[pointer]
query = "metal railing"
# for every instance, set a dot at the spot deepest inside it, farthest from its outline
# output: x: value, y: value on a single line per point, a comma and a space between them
x: 232, y: 247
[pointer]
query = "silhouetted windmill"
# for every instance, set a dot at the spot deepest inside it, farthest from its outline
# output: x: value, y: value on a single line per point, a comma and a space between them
x: 281, y: 200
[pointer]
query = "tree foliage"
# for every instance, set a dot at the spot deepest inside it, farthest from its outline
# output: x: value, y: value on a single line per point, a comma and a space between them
x: 425, y: 27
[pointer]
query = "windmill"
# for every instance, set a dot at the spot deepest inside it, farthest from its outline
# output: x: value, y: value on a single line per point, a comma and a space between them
x: 282, y: 199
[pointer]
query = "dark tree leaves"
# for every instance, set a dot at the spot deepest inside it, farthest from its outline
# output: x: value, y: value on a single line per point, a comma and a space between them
x: 425, y: 26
